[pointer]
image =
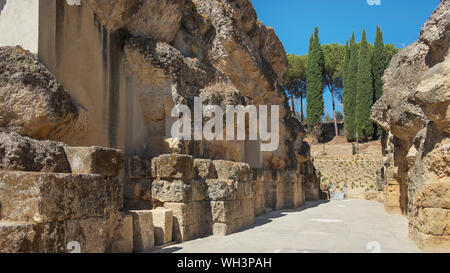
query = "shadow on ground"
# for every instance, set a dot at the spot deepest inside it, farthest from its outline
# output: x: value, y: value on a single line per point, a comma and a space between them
x: 270, y: 216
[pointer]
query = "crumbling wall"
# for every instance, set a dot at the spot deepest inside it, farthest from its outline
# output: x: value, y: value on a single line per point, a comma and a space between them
x: 68, y: 203
x: 125, y: 64
x: 414, y: 111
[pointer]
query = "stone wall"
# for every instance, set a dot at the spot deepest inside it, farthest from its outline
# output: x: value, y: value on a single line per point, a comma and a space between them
x: 414, y: 111
x: 49, y: 212
x: 111, y: 79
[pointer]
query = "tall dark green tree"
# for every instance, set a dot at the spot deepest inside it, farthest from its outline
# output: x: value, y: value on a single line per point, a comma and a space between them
x: 364, y: 93
x: 379, y: 64
x: 350, y: 90
x: 314, y: 83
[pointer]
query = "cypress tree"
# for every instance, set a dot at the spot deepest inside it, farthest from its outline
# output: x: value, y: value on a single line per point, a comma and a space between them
x: 346, y: 63
x: 364, y: 93
x: 314, y: 82
x: 350, y: 90
x: 379, y: 65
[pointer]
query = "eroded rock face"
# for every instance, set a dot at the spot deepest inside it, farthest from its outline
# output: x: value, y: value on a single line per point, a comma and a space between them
x: 32, y: 102
x: 415, y: 112
x: 19, y: 153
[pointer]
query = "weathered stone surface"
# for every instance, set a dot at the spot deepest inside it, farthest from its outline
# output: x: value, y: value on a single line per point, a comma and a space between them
x: 189, y: 220
x: 414, y: 110
x: 90, y: 235
x: 19, y: 153
x: 43, y: 198
x: 178, y: 191
x: 15, y: 237
x: 163, y: 223
x: 95, y: 160
x: 204, y: 168
x: 32, y: 102
x: 124, y: 244
x: 222, y: 190
x: 138, y: 190
x: 143, y: 230
x: 114, y: 14
x: 232, y: 170
x: 226, y: 217
x: 140, y: 167
x: 174, y: 166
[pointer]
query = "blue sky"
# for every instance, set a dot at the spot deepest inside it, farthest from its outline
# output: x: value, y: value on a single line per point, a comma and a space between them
x: 295, y: 20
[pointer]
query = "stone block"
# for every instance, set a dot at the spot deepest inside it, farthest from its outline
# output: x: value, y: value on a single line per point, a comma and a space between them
x: 132, y: 190
x: 162, y: 221
x: 189, y: 220
x: 47, y: 197
x: 89, y: 234
x: 135, y: 189
x: 140, y: 167
x: 178, y: 191
x: 221, y: 190
x: 124, y: 244
x: 174, y: 166
x: 237, y: 211
x: 143, y: 230
x: 95, y: 160
x: 233, y: 170
x: 15, y: 237
x: 429, y: 243
x: 204, y: 169
x: 259, y: 198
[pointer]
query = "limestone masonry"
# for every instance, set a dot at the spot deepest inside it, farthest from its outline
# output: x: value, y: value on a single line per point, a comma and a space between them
x: 414, y: 110
x: 107, y: 74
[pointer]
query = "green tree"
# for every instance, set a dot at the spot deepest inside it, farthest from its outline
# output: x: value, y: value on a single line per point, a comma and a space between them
x: 350, y: 90
x: 364, y: 93
x: 294, y: 80
x: 314, y: 83
x: 379, y: 64
x: 334, y: 61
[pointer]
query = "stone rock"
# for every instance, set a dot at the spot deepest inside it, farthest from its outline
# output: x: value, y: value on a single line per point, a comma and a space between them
x: 32, y: 102
x: 224, y: 190
x: 95, y: 160
x: 143, y: 230
x: 189, y: 220
x: 160, y: 20
x: 19, y: 153
x: 204, y: 169
x: 114, y: 14
x: 138, y: 190
x: 414, y: 111
x: 15, y: 237
x: 44, y: 198
x: 163, y: 223
x: 124, y: 244
x: 178, y: 191
x: 139, y: 167
x: 233, y: 170
x: 174, y: 166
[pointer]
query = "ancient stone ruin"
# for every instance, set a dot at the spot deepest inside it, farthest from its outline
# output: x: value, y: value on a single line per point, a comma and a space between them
x: 414, y: 110
x: 107, y: 74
